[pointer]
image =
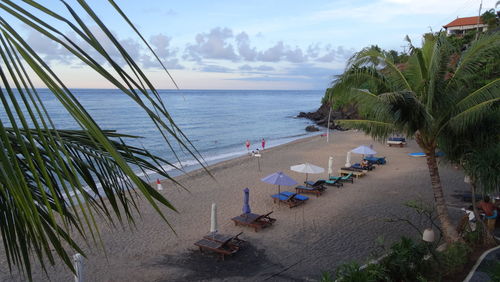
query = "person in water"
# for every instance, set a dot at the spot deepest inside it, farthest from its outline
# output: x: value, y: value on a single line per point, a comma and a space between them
x: 263, y: 144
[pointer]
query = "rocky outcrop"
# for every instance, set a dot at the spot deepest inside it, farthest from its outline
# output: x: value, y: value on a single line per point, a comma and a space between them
x: 311, y: 128
x: 320, y: 116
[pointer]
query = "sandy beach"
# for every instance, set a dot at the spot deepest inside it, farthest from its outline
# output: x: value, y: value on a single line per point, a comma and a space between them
x: 337, y: 227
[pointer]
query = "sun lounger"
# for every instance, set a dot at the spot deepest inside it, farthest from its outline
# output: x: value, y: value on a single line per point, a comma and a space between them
x: 396, y: 141
x: 354, y: 169
x: 358, y: 174
x: 376, y: 160
x: 317, y: 183
x: 359, y: 166
x: 290, y: 198
x: 253, y: 220
x: 220, y: 244
x: 334, y: 182
x: 342, y: 179
x: 314, y: 190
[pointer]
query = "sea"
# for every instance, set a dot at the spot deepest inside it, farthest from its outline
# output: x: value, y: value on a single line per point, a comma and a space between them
x: 217, y: 122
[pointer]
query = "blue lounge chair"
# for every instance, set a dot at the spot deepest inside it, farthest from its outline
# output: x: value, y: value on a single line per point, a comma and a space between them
x: 316, y: 184
x: 376, y: 160
x: 290, y: 198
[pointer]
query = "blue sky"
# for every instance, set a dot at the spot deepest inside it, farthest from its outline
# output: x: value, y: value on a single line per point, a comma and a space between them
x: 257, y: 44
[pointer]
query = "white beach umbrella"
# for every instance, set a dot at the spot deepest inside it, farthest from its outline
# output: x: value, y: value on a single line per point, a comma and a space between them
x: 330, y: 166
x: 363, y: 150
x: 348, y: 159
x: 307, y: 168
x: 213, y: 219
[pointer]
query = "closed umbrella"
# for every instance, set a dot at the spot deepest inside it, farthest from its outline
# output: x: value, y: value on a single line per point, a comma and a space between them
x: 307, y: 168
x: 348, y: 159
x: 213, y: 219
x: 330, y: 166
x: 246, y: 196
x: 279, y: 178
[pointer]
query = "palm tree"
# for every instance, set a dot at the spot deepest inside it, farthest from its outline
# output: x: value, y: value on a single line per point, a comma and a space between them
x: 53, y: 182
x: 424, y: 98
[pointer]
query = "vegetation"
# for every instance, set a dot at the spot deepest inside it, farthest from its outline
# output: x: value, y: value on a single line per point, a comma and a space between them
x: 432, y: 94
x: 43, y: 167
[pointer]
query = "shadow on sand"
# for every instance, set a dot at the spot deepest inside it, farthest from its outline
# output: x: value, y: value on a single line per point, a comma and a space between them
x: 194, y: 265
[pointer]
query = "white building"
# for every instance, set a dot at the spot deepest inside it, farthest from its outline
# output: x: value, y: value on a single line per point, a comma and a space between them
x: 461, y: 25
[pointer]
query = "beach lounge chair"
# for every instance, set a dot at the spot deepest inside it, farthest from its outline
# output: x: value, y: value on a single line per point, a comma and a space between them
x: 343, y: 179
x: 354, y: 169
x: 318, y: 190
x: 334, y: 182
x: 376, y: 160
x: 356, y: 173
x: 256, y: 221
x: 290, y: 198
x: 359, y: 166
x: 220, y: 244
x: 396, y: 141
x: 316, y: 184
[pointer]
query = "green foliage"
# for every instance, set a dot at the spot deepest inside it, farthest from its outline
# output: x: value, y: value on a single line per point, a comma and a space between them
x: 43, y: 167
x: 453, y: 258
x: 493, y: 271
x: 473, y: 238
x: 352, y: 272
x: 405, y: 262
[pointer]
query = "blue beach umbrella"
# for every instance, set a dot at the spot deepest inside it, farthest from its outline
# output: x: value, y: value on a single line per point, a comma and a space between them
x: 279, y: 178
x: 246, y: 196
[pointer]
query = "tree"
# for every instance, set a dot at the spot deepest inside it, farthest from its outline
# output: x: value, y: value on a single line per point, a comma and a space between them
x: 425, y: 98
x: 42, y: 167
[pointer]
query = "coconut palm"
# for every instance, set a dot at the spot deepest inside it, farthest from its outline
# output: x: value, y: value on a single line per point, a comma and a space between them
x: 424, y: 98
x: 53, y: 182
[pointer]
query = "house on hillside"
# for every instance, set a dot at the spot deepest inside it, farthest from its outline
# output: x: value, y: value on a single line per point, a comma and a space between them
x: 460, y: 26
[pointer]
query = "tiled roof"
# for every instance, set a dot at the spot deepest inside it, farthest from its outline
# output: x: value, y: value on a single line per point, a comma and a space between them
x: 464, y: 21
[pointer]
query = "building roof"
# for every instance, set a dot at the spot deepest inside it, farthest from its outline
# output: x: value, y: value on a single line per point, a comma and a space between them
x: 464, y: 21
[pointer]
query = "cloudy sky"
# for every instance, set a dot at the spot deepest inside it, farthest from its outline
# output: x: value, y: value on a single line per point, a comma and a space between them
x: 265, y: 44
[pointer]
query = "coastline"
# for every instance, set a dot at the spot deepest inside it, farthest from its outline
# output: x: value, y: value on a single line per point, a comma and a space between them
x: 340, y: 226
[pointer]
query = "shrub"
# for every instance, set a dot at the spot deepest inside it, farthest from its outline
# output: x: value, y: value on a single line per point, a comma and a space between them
x: 453, y: 258
x: 405, y: 262
x: 352, y: 272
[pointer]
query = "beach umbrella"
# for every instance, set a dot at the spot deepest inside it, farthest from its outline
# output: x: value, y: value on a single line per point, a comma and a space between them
x: 279, y: 178
x: 213, y: 219
x: 348, y: 159
x: 371, y: 147
x: 363, y: 150
x: 330, y: 166
x: 246, y: 196
x: 307, y: 168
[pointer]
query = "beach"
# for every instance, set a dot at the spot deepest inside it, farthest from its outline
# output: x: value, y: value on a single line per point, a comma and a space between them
x: 340, y: 226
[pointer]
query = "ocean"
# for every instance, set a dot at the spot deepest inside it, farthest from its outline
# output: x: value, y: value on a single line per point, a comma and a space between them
x: 218, y: 122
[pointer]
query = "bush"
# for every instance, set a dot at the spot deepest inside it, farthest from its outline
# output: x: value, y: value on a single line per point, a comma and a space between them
x: 351, y: 272
x: 453, y: 258
x: 406, y: 261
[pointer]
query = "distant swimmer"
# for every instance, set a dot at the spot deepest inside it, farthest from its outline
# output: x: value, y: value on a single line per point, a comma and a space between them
x: 248, y: 146
x: 263, y: 144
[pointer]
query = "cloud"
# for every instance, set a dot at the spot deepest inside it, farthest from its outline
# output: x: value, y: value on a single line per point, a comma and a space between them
x: 338, y: 55
x: 264, y: 68
x: 215, y: 68
x: 212, y: 45
x: 244, y: 49
x: 245, y: 68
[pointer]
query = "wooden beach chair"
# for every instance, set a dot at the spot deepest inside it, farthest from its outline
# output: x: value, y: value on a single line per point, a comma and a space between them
x: 256, y: 221
x: 289, y: 198
x: 313, y: 190
x: 334, y: 182
x: 358, y: 174
x: 316, y: 184
x: 221, y: 244
x: 343, y: 179
x: 396, y: 141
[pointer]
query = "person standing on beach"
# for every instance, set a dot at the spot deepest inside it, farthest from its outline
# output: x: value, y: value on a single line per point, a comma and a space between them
x: 263, y: 143
x: 248, y: 146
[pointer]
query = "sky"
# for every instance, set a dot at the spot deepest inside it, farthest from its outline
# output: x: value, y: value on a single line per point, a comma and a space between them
x: 264, y: 44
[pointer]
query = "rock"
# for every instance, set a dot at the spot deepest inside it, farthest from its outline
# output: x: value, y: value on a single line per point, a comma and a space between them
x: 311, y: 128
x: 320, y: 116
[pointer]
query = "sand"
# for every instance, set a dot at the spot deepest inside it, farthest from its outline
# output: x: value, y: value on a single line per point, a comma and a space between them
x: 340, y: 226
